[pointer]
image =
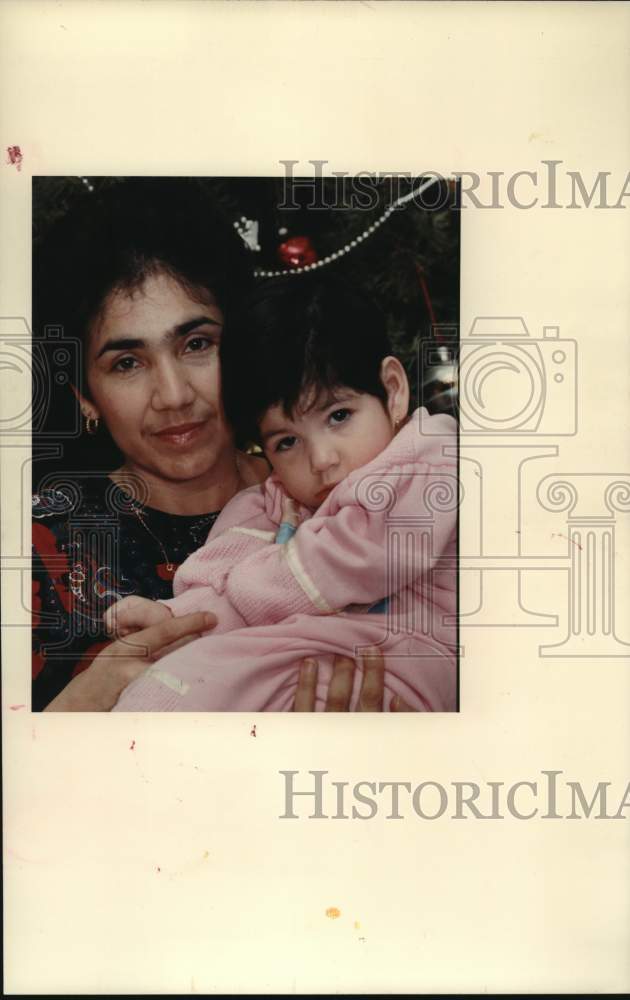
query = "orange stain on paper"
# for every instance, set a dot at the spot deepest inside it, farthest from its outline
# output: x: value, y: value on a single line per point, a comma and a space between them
x: 333, y: 913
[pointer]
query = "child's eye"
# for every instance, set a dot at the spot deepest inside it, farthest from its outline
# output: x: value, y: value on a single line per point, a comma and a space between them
x: 127, y: 364
x: 285, y: 444
x: 340, y: 416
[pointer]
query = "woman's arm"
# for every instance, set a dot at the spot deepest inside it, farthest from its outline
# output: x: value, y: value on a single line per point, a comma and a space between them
x: 99, y: 687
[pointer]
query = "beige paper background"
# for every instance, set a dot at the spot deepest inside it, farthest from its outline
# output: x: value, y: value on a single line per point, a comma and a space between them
x: 239, y: 902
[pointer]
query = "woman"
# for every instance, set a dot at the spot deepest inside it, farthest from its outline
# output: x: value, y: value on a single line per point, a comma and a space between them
x: 142, y: 277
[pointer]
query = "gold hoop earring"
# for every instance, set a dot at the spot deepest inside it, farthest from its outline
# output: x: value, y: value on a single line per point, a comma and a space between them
x: 91, y: 425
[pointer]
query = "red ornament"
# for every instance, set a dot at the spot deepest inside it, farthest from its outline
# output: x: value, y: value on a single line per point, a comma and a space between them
x: 298, y: 251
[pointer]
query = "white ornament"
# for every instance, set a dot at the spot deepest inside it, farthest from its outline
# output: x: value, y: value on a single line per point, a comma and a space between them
x: 247, y: 229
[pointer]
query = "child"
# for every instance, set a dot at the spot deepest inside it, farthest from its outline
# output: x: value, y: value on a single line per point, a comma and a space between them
x: 349, y: 544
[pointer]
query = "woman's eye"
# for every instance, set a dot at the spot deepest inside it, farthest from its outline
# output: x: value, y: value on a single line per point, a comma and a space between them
x: 125, y: 365
x: 198, y: 344
x: 340, y: 416
x: 285, y: 444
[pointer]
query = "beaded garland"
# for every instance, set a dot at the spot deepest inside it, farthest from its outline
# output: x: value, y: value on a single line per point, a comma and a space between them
x: 248, y: 231
x: 404, y: 199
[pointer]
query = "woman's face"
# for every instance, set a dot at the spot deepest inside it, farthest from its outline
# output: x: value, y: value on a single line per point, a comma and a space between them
x: 153, y: 375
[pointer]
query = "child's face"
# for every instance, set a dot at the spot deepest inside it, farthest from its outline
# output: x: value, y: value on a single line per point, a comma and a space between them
x: 326, y: 440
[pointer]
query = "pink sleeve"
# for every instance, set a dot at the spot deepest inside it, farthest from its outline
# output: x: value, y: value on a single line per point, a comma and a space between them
x: 339, y: 557
x: 241, y: 530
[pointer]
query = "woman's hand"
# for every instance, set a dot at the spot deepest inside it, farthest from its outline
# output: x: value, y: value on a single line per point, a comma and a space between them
x: 132, y: 614
x: 99, y: 687
x: 372, y: 691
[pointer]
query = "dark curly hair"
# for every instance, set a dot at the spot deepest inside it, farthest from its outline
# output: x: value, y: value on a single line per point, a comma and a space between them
x: 114, y: 238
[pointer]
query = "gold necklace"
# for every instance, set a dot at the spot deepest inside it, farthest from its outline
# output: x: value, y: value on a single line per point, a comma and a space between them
x: 170, y: 567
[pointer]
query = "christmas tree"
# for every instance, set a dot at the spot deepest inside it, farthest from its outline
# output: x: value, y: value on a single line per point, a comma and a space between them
x: 409, y: 264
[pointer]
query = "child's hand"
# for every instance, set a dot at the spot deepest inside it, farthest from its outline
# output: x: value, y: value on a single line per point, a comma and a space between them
x: 290, y: 513
x: 134, y: 613
x: 289, y: 522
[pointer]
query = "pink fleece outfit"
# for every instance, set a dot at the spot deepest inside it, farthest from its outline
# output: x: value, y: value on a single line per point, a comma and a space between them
x: 386, y: 531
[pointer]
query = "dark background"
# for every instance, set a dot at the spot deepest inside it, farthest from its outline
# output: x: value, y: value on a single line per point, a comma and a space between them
x: 410, y: 266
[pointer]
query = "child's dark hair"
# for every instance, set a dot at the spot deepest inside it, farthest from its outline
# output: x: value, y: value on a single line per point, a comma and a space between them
x: 293, y: 335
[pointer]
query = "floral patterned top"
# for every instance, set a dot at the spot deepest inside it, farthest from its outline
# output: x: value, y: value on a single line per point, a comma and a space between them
x: 93, y: 543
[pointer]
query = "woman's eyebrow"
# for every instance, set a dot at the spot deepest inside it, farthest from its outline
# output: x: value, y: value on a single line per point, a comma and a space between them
x: 133, y: 343
x: 183, y: 328
x: 125, y: 344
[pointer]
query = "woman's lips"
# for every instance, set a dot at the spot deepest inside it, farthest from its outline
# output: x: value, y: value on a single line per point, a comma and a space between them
x: 181, y: 435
